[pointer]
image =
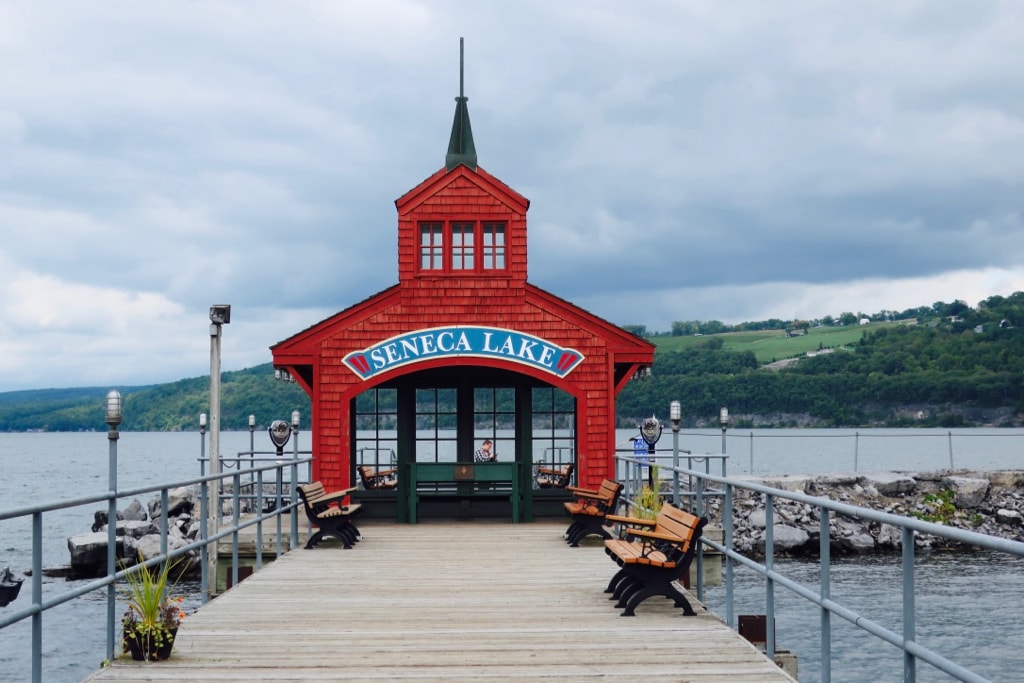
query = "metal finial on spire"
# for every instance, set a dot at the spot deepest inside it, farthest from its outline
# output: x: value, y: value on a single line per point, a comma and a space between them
x: 461, y: 149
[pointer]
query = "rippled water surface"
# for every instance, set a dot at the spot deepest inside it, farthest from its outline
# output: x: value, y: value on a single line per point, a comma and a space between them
x: 967, y: 609
x: 967, y: 606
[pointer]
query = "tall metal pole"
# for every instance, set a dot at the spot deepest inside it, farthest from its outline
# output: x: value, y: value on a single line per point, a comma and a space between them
x: 252, y: 441
x: 723, y: 417
x: 294, y: 478
x: 215, y: 509
x: 113, y: 419
x: 220, y: 314
x: 675, y: 414
x: 204, y: 552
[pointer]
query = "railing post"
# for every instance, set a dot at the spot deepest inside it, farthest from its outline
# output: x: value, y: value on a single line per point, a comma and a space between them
x: 824, y: 569
x: 37, y: 597
x: 699, y: 506
x: 294, y: 475
x: 204, y: 551
x: 769, y: 563
x: 727, y: 523
x: 751, y: 452
x: 236, y: 501
x: 164, y: 502
x: 856, y: 449
x: 259, y: 520
x: 909, y: 627
x: 279, y: 502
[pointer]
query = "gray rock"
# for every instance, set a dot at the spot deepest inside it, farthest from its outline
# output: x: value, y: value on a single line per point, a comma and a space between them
x: 967, y: 493
x: 134, y: 529
x: 134, y: 512
x: 1009, y: 517
x: 788, y: 537
x: 860, y: 542
x: 179, y: 501
x: 99, y: 520
x: 1007, y: 478
x: 888, y: 536
x: 891, y: 484
x: 796, y: 484
x: 837, y: 480
x: 148, y: 547
x: 89, y: 552
x: 757, y: 519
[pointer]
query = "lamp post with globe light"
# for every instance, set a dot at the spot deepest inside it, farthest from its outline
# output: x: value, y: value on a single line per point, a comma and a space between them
x: 723, y: 417
x: 295, y: 473
x: 675, y: 416
x: 220, y: 315
x: 113, y: 409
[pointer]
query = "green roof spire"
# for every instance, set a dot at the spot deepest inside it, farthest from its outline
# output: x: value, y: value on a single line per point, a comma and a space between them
x: 461, y: 149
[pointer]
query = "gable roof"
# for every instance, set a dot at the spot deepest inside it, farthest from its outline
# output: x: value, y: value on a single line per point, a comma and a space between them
x: 443, y: 178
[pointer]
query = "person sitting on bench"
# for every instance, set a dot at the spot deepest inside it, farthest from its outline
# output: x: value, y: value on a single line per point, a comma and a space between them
x: 483, y: 454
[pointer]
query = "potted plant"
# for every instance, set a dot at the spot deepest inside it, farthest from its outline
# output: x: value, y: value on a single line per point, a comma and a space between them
x: 151, y: 621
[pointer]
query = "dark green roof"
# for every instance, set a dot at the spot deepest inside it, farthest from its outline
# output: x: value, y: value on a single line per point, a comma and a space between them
x: 461, y: 149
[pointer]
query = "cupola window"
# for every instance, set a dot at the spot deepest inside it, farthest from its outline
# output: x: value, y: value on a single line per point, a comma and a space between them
x: 463, y: 247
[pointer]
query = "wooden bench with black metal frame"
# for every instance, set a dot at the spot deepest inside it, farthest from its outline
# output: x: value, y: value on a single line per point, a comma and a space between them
x: 554, y: 477
x: 375, y: 479
x: 652, y: 556
x: 329, y: 512
x: 590, y: 510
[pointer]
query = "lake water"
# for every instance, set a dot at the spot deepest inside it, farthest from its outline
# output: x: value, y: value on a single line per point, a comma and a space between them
x: 973, y: 611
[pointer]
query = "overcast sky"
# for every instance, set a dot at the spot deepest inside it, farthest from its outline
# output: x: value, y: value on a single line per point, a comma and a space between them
x: 684, y: 160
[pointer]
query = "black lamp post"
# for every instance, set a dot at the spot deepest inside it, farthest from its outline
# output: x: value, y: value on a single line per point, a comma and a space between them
x: 675, y: 416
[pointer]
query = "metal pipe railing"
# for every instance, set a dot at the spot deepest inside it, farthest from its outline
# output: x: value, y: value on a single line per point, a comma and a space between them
x: 628, y: 468
x: 40, y: 605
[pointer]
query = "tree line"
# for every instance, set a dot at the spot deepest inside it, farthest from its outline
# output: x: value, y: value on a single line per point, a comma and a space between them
x: 993, y: 309
x: 946, y: 369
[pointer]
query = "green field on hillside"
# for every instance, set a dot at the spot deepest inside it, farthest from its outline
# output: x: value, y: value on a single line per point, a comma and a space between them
x: 769, y: 345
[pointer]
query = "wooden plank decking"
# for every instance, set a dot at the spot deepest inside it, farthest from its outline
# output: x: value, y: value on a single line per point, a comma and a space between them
x: 446, y: 601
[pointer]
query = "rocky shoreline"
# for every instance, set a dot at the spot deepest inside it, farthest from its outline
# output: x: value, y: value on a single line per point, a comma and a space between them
x: 990, y: 503
x: 138, y: 534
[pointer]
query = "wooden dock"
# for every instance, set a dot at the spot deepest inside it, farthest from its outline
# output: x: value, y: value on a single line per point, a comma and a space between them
x: 446, y: 601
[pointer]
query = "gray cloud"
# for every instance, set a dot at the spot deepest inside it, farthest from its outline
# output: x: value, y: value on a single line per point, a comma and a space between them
x: 684, y: 161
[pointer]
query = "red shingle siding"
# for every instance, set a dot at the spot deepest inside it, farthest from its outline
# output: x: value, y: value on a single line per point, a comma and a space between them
x: 423, y: 300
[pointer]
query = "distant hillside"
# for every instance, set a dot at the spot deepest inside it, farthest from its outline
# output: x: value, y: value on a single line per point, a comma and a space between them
x: 772, y: 345
x: 946, y: 364
x: 164, y: 407
x: 939, y: 374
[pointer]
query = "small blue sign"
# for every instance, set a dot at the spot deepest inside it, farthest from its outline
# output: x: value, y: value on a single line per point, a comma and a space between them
x: 641, y: 449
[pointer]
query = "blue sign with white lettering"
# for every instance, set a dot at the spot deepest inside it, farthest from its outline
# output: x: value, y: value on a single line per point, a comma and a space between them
x: 463, y: 340
x: 641, y: 450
